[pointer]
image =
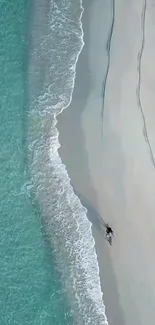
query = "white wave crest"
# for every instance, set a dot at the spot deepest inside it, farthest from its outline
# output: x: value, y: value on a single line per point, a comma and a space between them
x: 66, y: 221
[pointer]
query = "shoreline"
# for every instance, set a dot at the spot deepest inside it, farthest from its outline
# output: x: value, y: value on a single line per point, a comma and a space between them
x: 116, y: 173
x: 74, y: 155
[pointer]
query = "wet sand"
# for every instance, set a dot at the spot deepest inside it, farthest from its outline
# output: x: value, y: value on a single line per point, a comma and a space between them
x: 107, y: 146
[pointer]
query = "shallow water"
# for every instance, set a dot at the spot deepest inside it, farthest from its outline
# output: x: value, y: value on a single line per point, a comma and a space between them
x: 48, y: 261
x: 31, y: 291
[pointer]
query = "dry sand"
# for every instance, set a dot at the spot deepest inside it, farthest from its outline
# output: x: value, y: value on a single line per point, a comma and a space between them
x: 110, y: 156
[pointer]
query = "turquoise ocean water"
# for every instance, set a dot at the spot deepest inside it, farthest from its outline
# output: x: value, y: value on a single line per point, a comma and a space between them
x: 30, y: 288
x: 48, y: 265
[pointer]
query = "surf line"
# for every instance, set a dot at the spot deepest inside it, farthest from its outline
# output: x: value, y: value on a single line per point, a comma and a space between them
x: 138, y: 90
x: 108, y: 48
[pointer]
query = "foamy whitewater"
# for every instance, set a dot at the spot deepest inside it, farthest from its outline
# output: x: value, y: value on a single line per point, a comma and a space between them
x: 57, y: 40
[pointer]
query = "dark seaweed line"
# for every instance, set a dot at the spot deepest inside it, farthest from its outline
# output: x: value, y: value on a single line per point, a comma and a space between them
x: 139, y: 58
x: 108, y: 46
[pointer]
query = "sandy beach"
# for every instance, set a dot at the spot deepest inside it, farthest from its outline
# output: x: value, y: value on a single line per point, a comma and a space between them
x: 108, y: 145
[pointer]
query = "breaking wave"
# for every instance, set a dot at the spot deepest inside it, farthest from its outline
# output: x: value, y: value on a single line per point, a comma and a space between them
x: 57, y: 40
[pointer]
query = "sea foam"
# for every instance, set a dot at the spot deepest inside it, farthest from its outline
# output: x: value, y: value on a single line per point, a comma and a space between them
x: 64, y: 216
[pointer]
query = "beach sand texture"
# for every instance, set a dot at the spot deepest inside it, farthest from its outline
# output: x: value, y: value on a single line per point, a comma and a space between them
x: 107, y: 138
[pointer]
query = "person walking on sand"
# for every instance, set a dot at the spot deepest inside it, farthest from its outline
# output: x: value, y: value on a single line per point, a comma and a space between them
x: 109, y: 231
